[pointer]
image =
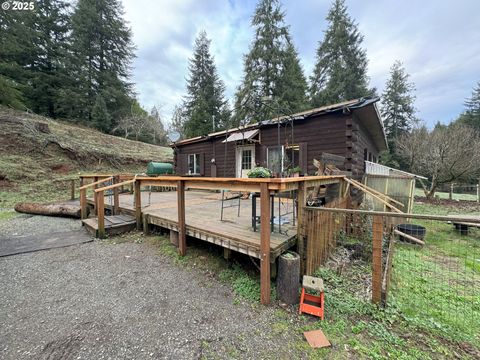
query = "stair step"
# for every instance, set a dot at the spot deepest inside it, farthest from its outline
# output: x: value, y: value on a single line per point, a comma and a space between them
x: 114, y: 224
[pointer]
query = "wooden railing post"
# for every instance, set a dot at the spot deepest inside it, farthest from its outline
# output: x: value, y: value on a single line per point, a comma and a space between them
x: 83, y: 203
x: 116, y: 203
x: 264, y: 244
x: 182, y: 236
x: 138, y: 204
x: 301, y: 202
x: 95, y: 210
x: 377, y: 230
x: 100, y: 199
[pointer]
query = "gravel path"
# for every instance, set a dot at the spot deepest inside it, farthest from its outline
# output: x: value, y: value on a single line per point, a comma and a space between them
x: 104, y: 301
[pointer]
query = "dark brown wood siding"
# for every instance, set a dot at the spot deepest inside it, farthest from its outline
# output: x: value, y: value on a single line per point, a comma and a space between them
x: 315, y: 135
x: 337, y: 134
x: 203, y: 149
x: 361, y: 145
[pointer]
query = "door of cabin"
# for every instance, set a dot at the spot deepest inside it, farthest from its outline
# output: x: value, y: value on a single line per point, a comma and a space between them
x: 244, y: 160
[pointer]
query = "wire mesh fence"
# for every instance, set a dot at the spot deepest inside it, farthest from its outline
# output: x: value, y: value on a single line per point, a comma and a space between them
x: 428, y: 267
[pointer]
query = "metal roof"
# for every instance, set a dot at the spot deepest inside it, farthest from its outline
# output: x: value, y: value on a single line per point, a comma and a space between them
x: 241, y: 135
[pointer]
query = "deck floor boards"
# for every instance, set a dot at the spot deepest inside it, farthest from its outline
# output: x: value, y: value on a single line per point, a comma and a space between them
x: 202, y: 214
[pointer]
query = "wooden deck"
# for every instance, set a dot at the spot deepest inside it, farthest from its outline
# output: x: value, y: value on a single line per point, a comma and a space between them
x: 202, y: 213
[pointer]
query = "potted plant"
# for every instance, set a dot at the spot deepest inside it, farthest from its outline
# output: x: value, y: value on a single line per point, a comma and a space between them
x: 295, y: 171
x: 259, y: 172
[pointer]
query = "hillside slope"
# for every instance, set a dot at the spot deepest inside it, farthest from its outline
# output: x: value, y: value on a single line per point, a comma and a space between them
x: 38, y: 155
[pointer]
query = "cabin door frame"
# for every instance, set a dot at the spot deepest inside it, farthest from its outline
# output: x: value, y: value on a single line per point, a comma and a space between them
x: 242, y: 165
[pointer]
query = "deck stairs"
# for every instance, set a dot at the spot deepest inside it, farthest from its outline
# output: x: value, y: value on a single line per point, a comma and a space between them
x: 114, y: 224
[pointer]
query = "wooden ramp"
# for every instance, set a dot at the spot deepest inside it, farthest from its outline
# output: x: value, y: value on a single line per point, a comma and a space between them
x: 115, y: 224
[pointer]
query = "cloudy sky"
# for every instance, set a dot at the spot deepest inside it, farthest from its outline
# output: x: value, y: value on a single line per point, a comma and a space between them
x: 437, y: 40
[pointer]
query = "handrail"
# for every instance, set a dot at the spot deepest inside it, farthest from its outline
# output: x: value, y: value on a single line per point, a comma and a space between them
x: 96, y: 183
x: 454, y: 218
x: 113, y: 186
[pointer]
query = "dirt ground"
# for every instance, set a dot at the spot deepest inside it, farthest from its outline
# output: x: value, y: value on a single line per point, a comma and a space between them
x: 459, y: 205
x: 109, y: 301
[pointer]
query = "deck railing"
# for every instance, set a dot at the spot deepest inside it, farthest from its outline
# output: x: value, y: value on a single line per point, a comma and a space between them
x: 263, y: 186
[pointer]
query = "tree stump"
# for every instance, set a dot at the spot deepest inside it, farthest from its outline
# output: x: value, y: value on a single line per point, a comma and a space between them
x: 288, y: 278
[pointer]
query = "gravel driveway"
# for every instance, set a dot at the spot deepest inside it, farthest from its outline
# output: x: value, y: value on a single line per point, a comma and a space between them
x: 123, y: 301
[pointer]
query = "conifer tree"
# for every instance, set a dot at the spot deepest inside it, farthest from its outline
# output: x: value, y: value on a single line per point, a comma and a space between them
x: 100, y: 117
x: 99, y: 63
x: 50, y: 24
x: 398, y: 110
x: 15, y: 43
x: 272, y: 70
x: 340, y: 71
x: 293, y: 85
x: 34, y: 44
x: 205, y: 107
x: 471, y: 115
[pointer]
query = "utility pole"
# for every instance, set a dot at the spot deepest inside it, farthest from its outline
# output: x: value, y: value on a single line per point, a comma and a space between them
x: 213, y: 123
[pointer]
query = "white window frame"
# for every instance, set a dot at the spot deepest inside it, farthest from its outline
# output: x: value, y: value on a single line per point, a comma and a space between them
x: 196, y: 164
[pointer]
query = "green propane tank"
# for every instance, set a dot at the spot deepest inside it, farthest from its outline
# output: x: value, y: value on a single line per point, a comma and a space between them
x: 159, y: 168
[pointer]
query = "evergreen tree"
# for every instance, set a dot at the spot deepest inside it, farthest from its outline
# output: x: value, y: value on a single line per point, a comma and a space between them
x: 34, y: 44
x: 471, y: 115
x: 100, y: 117
x: 9, y: 94
x: 398, y: 111
x: 101, y: 53
x: 340, y: 71
x: 271, y: 69
x: 50, y: 25
x: 16, y: 41
x: 293, y: 86
x: 205, y: 107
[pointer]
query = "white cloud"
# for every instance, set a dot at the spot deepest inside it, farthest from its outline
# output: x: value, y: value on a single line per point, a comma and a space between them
x: 438, y: 42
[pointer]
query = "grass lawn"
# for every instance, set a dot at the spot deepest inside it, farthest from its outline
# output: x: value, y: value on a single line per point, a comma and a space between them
x: 445, y: 195
x: 416, y: 324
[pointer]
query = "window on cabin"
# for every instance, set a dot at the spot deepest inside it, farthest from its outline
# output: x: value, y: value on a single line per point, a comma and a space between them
x: 291, y: 157
x: 275, y: 159
x: 246, y: 159
x: 194, y: 164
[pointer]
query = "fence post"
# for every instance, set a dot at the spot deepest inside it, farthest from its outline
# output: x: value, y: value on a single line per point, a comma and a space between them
x: 101, y: 214
x: 265, y: 244
x: 83, y: 203
x: 377, y: 259
x: 182, y: 240
x: 138, y: 204
x: 95, y: 179
x: 116, y: 204
x: 301, y: 202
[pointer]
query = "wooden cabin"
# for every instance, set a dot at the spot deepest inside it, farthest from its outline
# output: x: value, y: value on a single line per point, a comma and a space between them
x: 351, y: 129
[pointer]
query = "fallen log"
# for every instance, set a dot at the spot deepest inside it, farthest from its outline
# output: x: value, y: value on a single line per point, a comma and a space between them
x: 63, y: 210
